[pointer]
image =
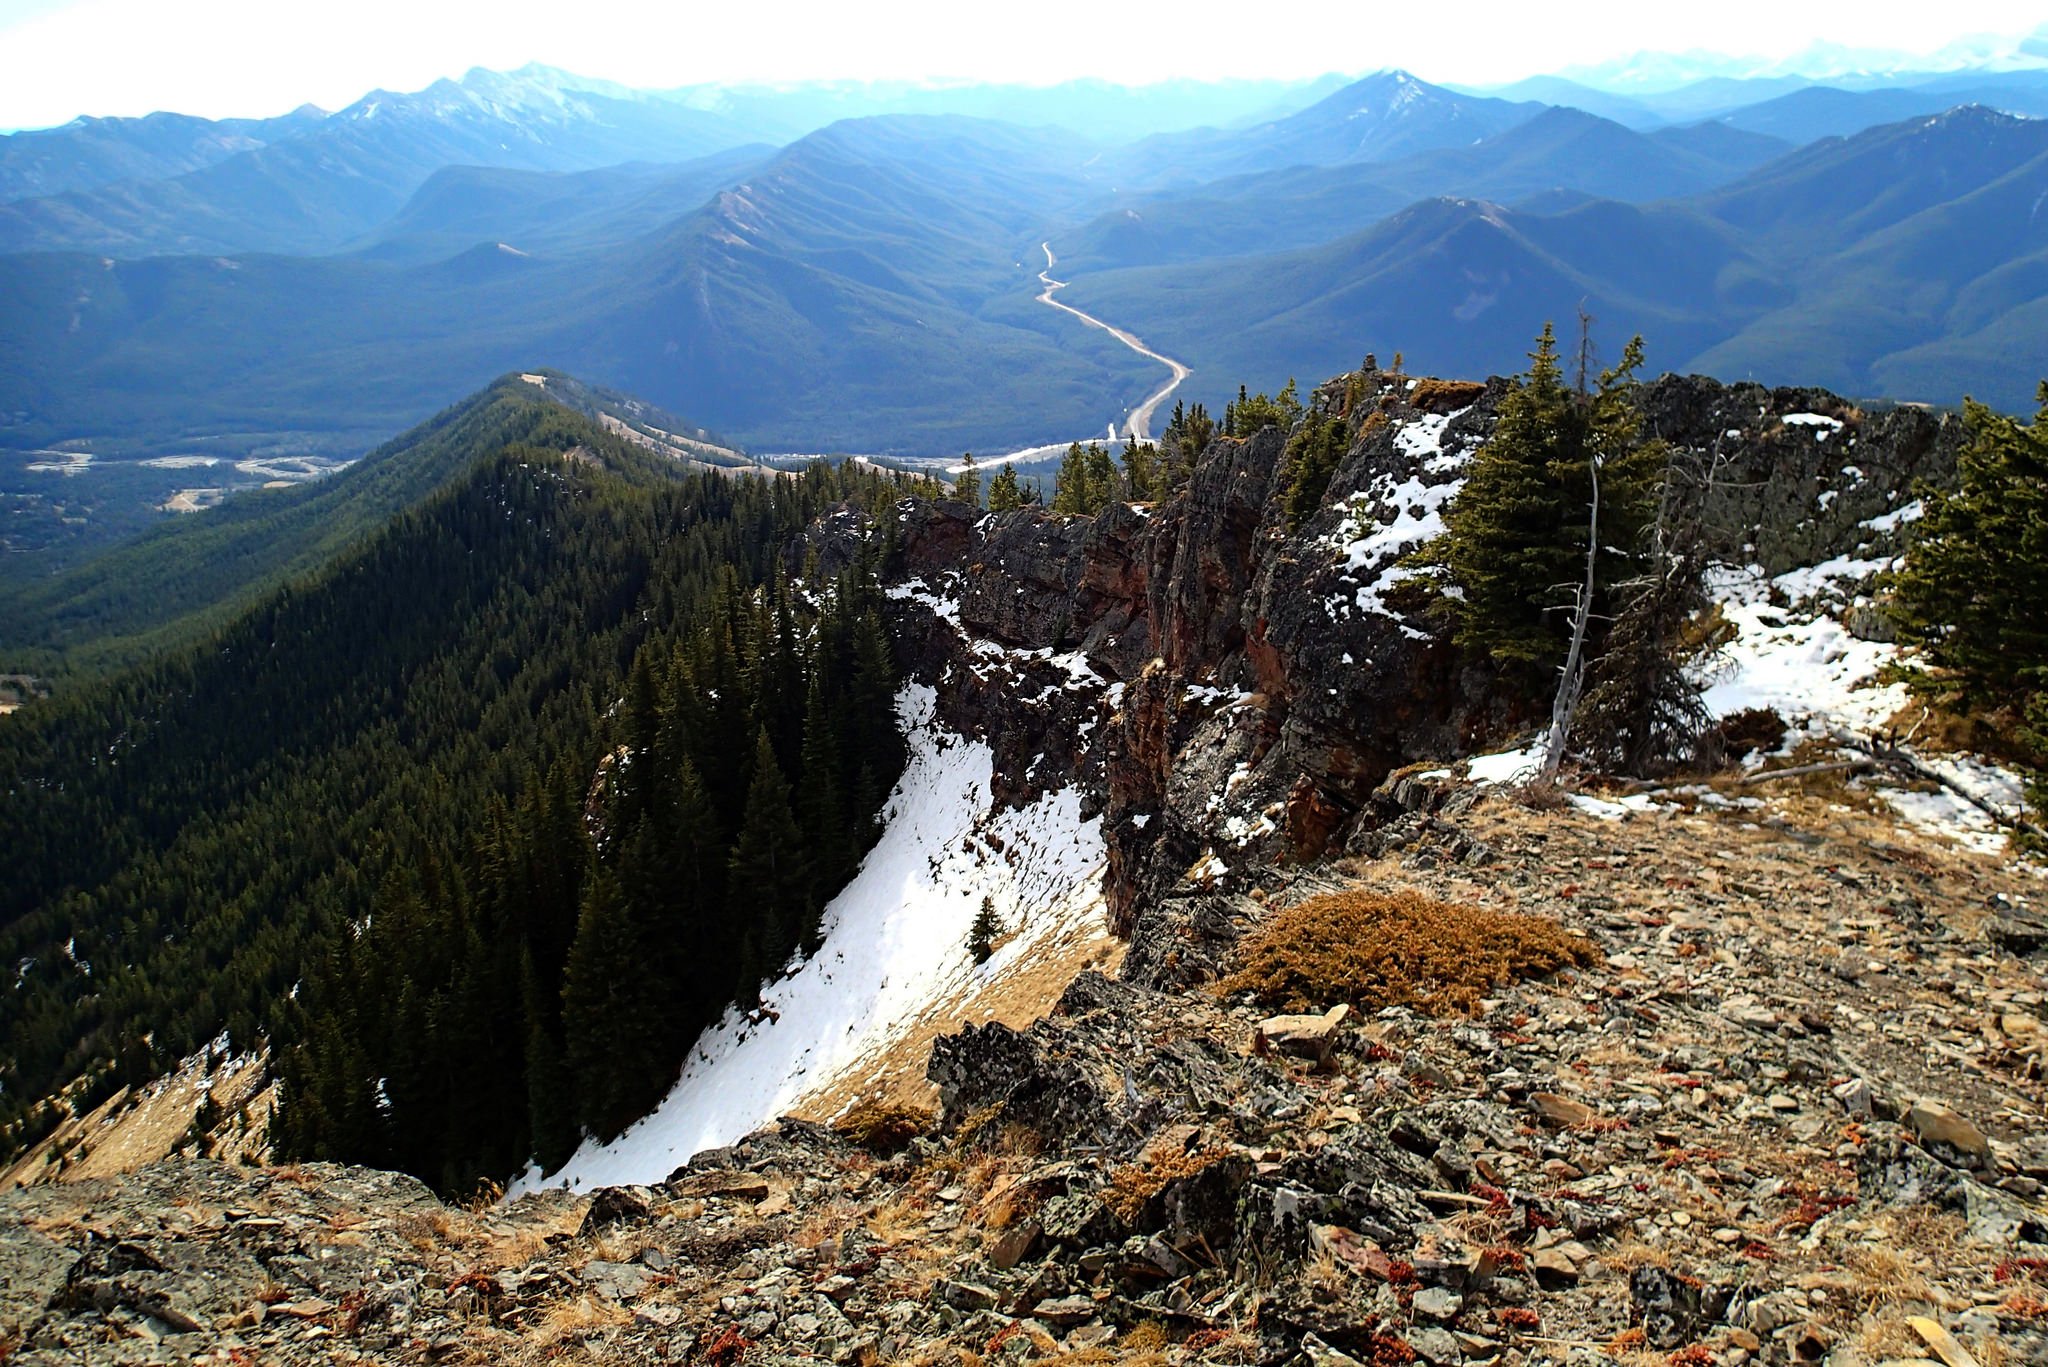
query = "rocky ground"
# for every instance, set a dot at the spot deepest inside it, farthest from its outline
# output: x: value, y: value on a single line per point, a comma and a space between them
x: 1797, y: 1105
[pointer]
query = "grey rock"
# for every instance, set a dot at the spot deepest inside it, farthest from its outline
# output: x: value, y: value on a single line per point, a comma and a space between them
x: 1438, y: 1303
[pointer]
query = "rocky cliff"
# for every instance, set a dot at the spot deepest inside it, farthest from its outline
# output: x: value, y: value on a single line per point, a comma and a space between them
x: 1232, y: 691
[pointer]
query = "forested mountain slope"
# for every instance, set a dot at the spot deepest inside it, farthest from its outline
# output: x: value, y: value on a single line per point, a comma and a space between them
x: 359, y: 817
x: 194, y: 570
x: 1903, y: 262
x: 870, y: 288
x: 90, y: 152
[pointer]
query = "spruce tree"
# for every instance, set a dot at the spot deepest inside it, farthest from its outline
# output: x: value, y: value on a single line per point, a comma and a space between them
x: 1070, y: 485
x: 1970, y: 590
x: 1003, y: 491
x: 967, y: 483
x: 768, y: 879
x: 1102, y: 478
x: 981, y: 935
x: 821, y: 801
x: 1141, y: 471
x: 1313, y: 454
x: 597, y: 1006
x: 1515, y: 541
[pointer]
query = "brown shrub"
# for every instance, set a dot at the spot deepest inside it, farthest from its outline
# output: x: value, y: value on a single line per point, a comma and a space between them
x: 1133, y: 1184
x: 1397, y: 949
x: 1444, y: 396
x: 884, y: 1126
x: 1743, y: 733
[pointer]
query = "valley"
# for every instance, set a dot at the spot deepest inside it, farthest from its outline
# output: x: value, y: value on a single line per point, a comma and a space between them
x: 759, y: 718
x: 1138, y: 422
x: 863, y: 286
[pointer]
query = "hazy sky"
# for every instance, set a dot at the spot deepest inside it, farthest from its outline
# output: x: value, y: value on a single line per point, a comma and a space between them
x: 60, y: 58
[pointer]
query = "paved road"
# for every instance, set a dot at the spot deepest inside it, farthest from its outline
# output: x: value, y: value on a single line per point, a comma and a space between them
x: 1140, y: 422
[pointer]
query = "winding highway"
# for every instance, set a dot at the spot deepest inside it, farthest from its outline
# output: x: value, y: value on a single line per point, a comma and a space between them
x: 1139, y: 425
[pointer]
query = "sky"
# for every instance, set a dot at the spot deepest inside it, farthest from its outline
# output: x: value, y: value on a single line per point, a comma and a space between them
x: 62, y: 58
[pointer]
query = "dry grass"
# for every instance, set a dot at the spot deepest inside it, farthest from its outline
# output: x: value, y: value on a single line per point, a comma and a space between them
x: 1444, y: 396
x: 1377, y: 950
x: 566, y: 1326
x: 885, y: 1126
x: 898, y: 1222
x: 1133, y: 1184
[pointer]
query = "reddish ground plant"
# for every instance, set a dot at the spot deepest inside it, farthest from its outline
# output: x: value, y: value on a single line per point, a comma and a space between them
x: 1376, y: 949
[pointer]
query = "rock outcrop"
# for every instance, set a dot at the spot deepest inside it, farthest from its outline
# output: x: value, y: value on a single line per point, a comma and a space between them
x: 1231, y: 691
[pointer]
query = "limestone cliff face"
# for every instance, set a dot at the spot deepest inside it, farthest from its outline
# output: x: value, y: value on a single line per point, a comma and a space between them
x: 1230, y: 691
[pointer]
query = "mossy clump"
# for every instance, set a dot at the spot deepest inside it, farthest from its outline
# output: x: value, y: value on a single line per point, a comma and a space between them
x: 1375, y: 949
x: 884, y: 1126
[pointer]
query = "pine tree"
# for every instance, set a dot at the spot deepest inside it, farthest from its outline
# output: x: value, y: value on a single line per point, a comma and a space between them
x: 1003, y: 491
x: 1515, y: 542
x: 981, y: 935
x: 1974, y: 577
x: 967, y: 483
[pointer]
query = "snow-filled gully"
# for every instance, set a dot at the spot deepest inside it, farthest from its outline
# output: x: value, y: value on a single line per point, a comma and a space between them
x: 894, y: 944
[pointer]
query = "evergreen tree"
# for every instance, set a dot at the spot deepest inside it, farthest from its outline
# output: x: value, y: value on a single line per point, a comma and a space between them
x: 1141, y: 471
x: 1515, y: 542
x: 1313, y: 454
x: 1974, y: 577
x: 821, y: 802
x: 967, y: 483
x: 1186, y: 437
x: 1101, y: 486
x: 1003, y: 491
x: 768, y: 878
x: 981, y: 935
x: 1070, y: 486
x: 600, y: 1009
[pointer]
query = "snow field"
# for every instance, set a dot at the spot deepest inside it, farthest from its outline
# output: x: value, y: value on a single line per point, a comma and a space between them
x: 894, y: 944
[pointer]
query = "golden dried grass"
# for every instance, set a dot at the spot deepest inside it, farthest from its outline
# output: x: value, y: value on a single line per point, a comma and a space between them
x: 1376, y: 950
x: 885, y: 1126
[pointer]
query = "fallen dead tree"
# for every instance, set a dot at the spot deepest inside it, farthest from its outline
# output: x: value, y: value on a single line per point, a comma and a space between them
x: 1895, y: 756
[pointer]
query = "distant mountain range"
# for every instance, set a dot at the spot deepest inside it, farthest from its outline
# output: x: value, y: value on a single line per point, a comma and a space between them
x: 1909, y: 261
x: 174, y: 289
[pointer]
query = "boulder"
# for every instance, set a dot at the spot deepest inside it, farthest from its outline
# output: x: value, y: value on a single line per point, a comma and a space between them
x: 1309, y: 1037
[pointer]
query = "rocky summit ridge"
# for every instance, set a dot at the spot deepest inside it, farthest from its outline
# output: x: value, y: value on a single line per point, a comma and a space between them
x: 1788, y: 1107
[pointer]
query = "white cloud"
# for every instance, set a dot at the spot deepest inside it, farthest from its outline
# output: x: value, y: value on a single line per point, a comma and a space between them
x: 59, y: 58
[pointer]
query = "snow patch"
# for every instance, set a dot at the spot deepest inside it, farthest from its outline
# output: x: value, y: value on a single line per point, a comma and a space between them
x: 1896, y: 518
x: 894, y: 943
x: 1508, y: 766
x: 1801, y: 663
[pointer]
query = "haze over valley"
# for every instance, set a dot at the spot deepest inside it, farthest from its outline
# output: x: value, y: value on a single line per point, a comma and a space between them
x: 198, y: 306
